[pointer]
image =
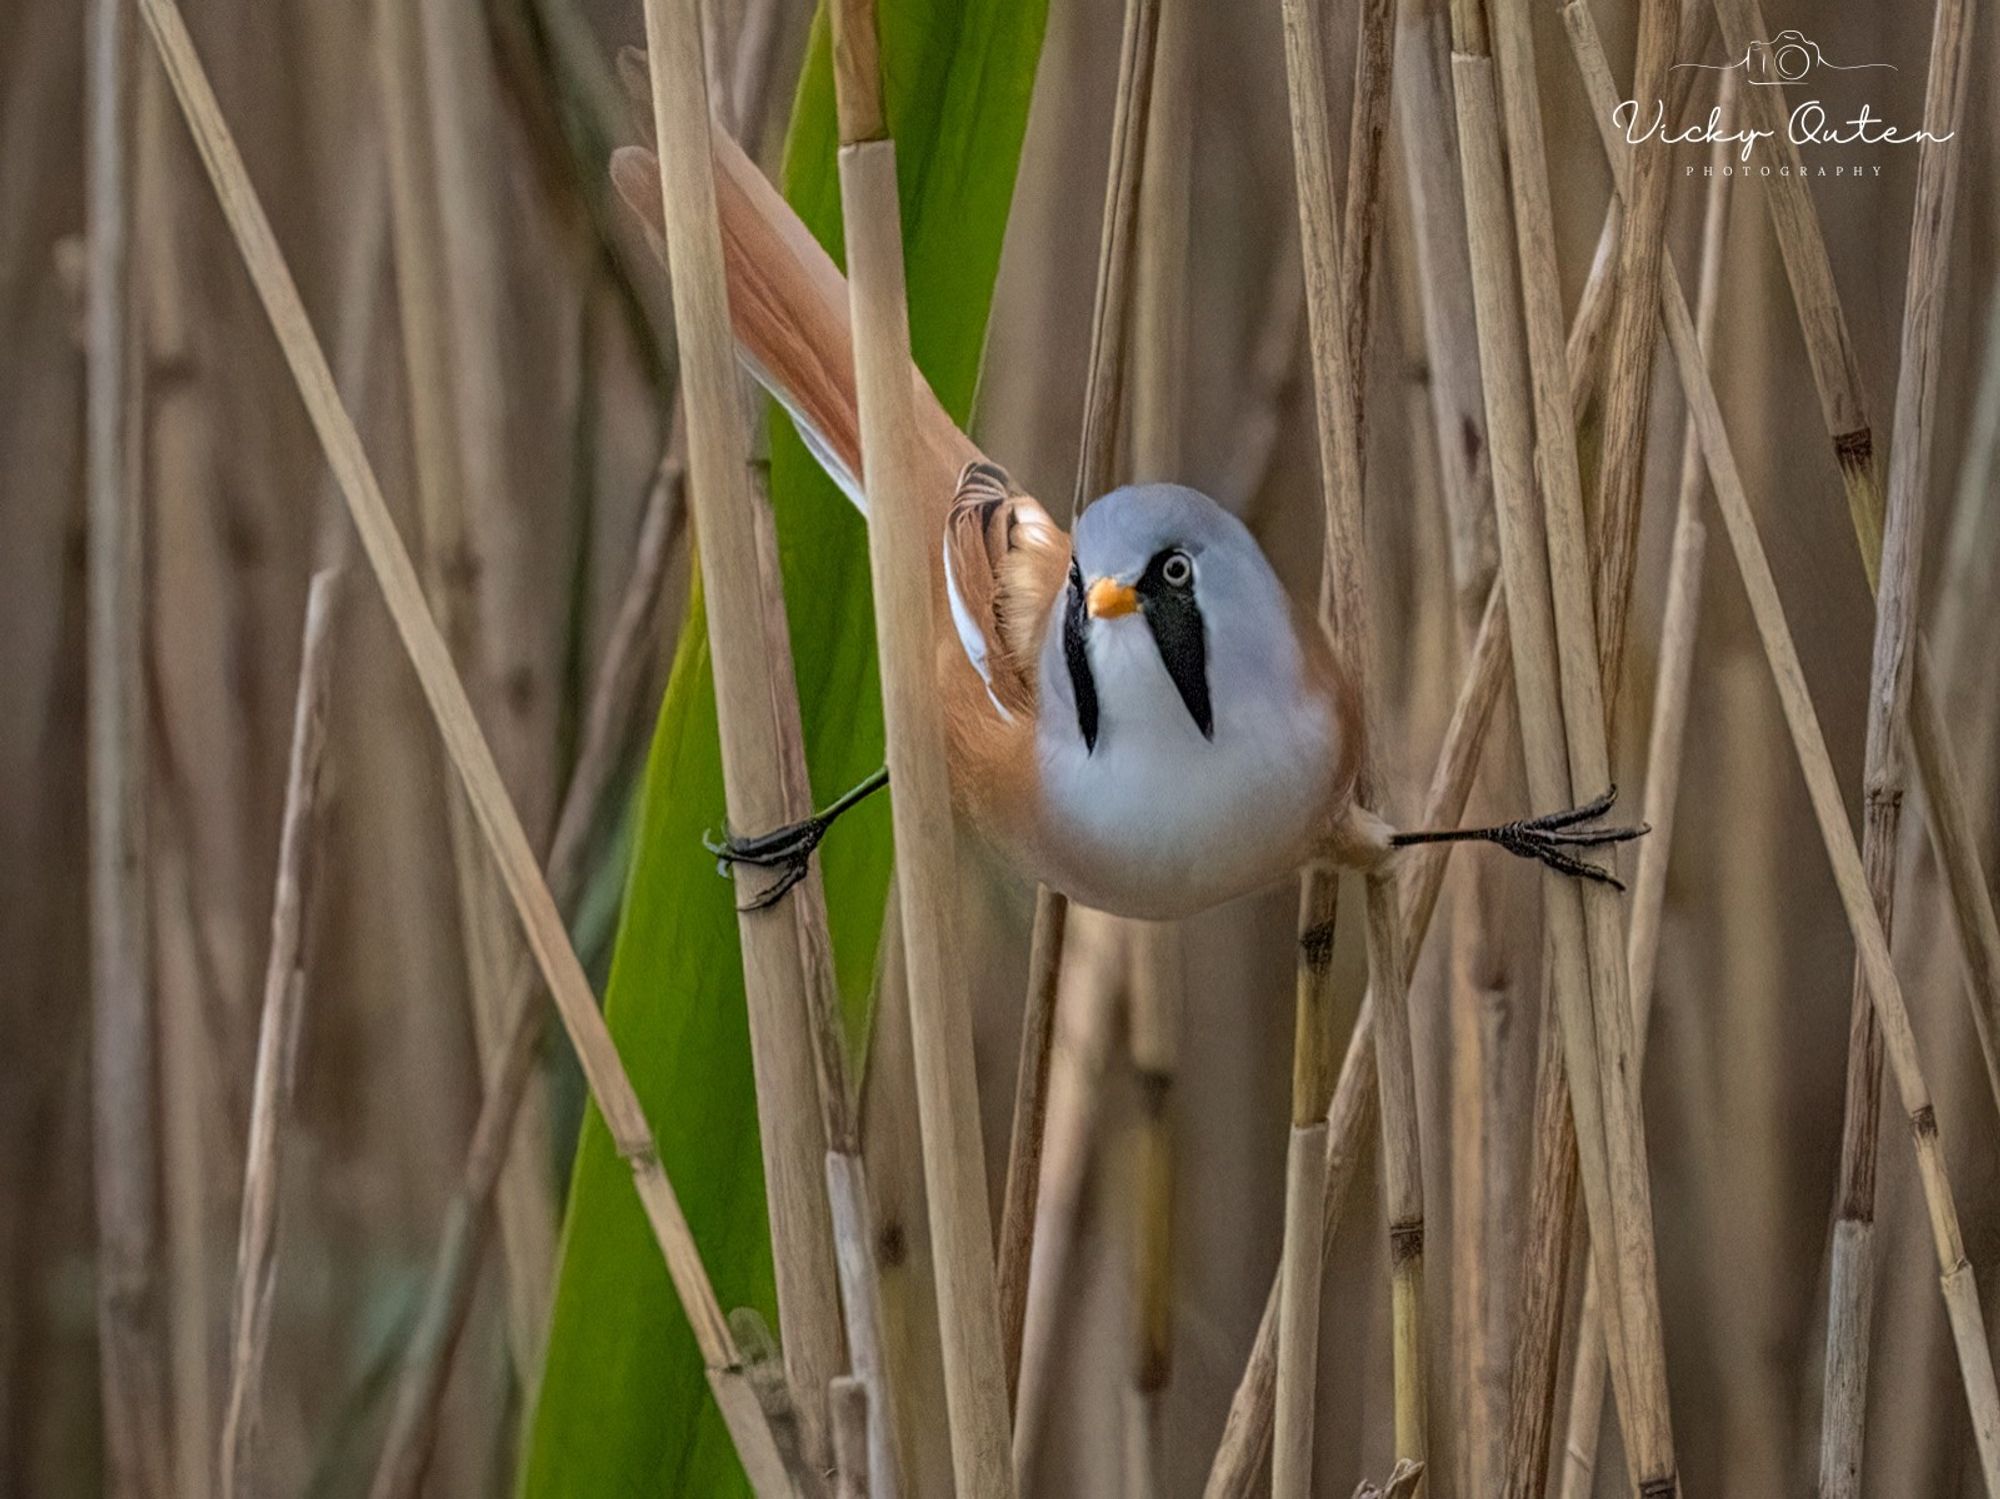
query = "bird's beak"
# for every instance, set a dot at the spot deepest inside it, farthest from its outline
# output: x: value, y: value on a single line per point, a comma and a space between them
x: 1108, y: 598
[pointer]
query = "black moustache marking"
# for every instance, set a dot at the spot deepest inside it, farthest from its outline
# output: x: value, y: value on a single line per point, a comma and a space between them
x: 1082, y: 684
x: 1175, y: 620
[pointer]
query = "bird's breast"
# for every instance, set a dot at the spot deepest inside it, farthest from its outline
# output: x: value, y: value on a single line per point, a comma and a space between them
x: 1159, y: 820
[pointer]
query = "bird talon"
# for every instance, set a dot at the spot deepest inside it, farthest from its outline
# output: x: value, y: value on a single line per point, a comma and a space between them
x: 788, y: 850
x: 1569, y: 817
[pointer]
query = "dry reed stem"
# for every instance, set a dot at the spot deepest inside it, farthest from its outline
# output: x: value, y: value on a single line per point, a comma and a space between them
x: 1154, y: 950
x: 1549, y: 1238
x: 1844, y: 1404
x: 610, y: 1086
x: 785, y: 1044
x: 846, y: 1175
x: 1843, y: 406
x: 1440, y: 278
x: 1632, y: 338
x: 1104, y: 382
x: 848, y: 1418
x: 613, y: 701
x: 124, y: 1058
x: 1029, y: 1130
x: 1829, y: 350
x: 277, y: 1048
x: 902, y: 559
x: 1589, y: 648
x: 1345, y: 608
x: 1892, y: 1014
x: 1671, y: 690
x: 1443, y: 275
x: 441, y: 370
x: 1097, y: 463
x: 1351, y: 1114
x: 1093, y: 1010
x: 1361, y: 207
x: 1524, y: 564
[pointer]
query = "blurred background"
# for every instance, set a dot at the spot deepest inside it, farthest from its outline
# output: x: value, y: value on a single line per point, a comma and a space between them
x: 434, y: 172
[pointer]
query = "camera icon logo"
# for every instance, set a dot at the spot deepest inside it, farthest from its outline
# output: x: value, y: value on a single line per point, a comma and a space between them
x: 1789, y: 57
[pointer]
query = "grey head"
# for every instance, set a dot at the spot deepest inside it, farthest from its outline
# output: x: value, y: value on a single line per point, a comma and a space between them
x: 1214, y: 609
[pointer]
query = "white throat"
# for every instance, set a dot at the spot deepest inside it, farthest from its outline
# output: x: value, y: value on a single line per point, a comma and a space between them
x: 1158, y: 820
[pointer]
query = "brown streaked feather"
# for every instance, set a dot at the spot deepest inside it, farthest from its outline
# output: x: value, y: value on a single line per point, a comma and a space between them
x: 1008, y: 560
x: 789, y: 310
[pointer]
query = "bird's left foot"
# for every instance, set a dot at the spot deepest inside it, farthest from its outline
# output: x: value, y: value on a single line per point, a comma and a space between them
x: 788, y: 849
x: 1549, y: 839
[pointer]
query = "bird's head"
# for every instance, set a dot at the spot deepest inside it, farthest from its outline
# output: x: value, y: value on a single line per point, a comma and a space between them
x: 1164, y: 585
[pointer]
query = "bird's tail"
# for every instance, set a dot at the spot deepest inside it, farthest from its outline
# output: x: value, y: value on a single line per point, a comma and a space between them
x: 788, y: 307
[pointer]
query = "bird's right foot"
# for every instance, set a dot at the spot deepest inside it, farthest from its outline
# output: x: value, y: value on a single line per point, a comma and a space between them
x: 788, y: 849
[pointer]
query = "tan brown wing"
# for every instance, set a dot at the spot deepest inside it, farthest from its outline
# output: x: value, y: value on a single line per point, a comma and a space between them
x: 1005, y: 562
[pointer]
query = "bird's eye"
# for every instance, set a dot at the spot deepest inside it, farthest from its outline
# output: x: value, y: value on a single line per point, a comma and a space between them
x: 1178, y: 570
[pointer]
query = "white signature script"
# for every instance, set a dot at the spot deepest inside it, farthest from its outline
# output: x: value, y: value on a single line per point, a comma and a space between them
x: 1808, y: 125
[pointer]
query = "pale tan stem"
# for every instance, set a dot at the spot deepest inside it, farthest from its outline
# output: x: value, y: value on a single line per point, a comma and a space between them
x: 277, y: 1047
x: 1588, y: 653
x: 1671, y: 689
x: 124, y: 1054
x: 1844, y: 1403
x: 902, y: 555
x: 1336, y: 405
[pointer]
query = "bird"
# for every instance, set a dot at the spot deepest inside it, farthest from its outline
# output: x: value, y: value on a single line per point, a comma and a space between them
x: 1138, y: 714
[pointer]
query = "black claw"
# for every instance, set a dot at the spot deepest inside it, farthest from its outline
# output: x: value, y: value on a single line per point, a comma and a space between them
x: 776, y: 849
x: 1569, y: 817
x: 788, y: 849
x: 1592, y: 837
x: 780, y: 888
x: 1577, y: 868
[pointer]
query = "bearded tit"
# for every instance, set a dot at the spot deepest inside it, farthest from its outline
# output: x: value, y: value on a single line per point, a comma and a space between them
x: 1138, y: 713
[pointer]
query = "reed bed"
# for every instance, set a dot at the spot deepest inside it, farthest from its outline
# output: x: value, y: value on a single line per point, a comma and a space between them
x: 920, y: 1179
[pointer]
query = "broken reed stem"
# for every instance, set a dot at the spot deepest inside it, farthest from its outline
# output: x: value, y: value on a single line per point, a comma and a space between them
x: 849, y: 1418
x: 1031, y: 1113
x: 614, y: 698
x: 903, y: 559
x: 277, y: 1049
x: 754, y: 758
x: 1851, y: 1288
x: 1843, y: 406
x: 124, y: 1059
x: 1671, y: 689
x: 1588, y: 651
x: 1344, y: 606
x: 1247, y: 1433
x: 471, y: 757
x: 1892, y: 1014
x: 439, y: 368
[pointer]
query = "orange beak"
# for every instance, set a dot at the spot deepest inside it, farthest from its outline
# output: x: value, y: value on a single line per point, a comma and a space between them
x: 1109, y: 598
